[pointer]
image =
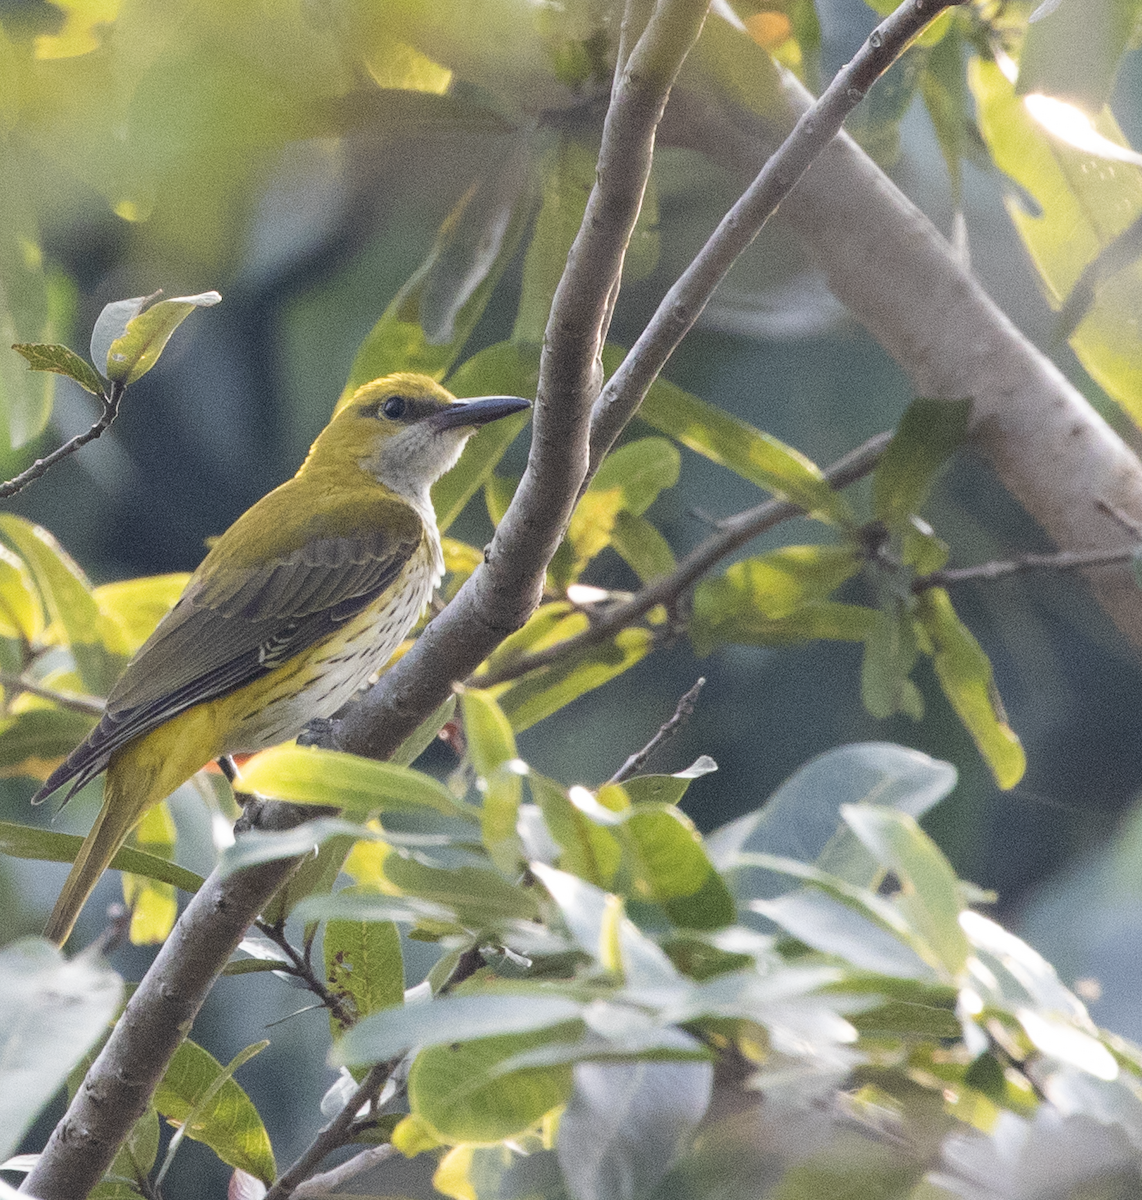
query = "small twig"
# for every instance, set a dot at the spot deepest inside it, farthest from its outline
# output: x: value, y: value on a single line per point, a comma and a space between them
x: 684, y: 302
x: 682, y: 713
x: 110, y: 404
x: 339, y: 1132
x: 331, y: 1180
x: 302, y: 968
x: 90, y: 705
x: 1062, y: 560
x: 733, y: 533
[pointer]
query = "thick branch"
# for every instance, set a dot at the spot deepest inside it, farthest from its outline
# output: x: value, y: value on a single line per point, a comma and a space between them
x: 903, y: 281
x: 159, y: 1015
x: 684, y: 302
x: 500, y: 596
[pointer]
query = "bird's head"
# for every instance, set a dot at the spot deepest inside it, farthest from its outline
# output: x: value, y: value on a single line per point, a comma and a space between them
x: 405, y: 431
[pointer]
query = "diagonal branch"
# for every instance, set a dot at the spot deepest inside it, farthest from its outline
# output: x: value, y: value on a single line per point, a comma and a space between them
x: 733, y: 533
x: 110, y: 410
x: 500, y: 596
x: 684, y: 302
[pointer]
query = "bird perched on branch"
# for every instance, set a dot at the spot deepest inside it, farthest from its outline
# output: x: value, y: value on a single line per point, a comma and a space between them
x: 296, y: 605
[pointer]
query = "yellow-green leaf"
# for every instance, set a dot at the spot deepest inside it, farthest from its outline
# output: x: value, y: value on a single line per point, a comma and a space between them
x: 965, y: 675
x: 228, y: 1122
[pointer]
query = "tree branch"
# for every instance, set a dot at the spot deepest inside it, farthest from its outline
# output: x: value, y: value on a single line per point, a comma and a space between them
x: 733, y: 533
x: 121, y: 1081
x: 684, y: 302
x: 110, y: 410
x: 90, y: 705
x: 988, y: 572
x: 502, y: 594
x: 682, y: 713
x: 339, y: 1132
x: 902, y: 280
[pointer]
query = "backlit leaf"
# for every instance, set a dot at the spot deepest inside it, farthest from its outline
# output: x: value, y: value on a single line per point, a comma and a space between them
x: 228, y: 1122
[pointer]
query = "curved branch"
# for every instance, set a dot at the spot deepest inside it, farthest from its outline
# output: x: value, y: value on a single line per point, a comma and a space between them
x: 502, y: 594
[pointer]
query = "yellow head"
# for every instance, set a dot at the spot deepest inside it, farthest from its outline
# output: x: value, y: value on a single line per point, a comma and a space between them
x: 404, y: 431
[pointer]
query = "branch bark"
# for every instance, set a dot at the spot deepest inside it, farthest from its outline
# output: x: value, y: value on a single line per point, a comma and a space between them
x: 157, y: 1018
x: 500, y: 596
x: 903, y: 281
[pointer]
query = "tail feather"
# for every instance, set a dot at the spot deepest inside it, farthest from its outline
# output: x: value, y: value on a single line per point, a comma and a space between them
x: 115, y: 821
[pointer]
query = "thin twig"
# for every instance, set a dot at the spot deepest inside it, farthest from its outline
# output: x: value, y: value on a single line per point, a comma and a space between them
x: 733, y: 533
x: 332, y: 1180
x: 302, y: 969
x: 1062, y: 560
x: 90, y: 705
x: 682, y: 713
x: 110, y: 405
x: 339, y: 1132
x: 684, y: 302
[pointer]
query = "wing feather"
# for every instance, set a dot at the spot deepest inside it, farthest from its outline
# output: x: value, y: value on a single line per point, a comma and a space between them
x: 231, y: 628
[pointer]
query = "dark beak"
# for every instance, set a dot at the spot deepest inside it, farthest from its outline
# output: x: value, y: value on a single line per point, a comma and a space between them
x: 478, y: 412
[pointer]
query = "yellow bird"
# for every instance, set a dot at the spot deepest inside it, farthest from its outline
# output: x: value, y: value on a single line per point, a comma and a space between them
x: 297, y: 604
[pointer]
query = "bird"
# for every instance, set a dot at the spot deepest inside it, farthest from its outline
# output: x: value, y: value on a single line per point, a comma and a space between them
x: 295, y: 606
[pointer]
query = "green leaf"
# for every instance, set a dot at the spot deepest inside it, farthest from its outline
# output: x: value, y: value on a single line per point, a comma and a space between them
x: 669, y: 867
x: 21, y: 616
x: 22, y: 841
x: 430, y: 319
x: 801, y: 820
x: 889, y: 656
x: 261, y: 845
x: 481, y: 898
x: 779, y: 598
x: 626, y: 1123
x: 586, y: 849
x: 500, y: 370
x: 929, y: 433
x: 448, y: 1019
x: 128, y: 338
x: 550, y: 688
x: 639, y: 470
x: 220, y: 1115
x: 636, y: 541
x: 137, y: 605
x: 363, y: 966
x: 453, y: 1088
x: 47, y: 356
x: 756, y: 456
x: 1072, y: 53
x: 309, y: 775
x: 568, y: 175
x: 491, y: 748
x: 965, y: 675
x: 1086, y: 202
x: 930, y: 894
x: 52, y: 1011
x: 34, y: 740
x: 835, y: 926
x: 69, y: 600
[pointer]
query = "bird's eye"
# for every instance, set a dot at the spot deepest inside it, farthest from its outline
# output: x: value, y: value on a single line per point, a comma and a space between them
x: 394, y: 407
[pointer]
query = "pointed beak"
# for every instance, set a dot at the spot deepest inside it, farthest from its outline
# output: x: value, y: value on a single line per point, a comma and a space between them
x: 477, y: 412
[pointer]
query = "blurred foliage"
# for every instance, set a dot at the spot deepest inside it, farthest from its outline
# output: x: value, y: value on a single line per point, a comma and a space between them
x: 804, y: 1003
